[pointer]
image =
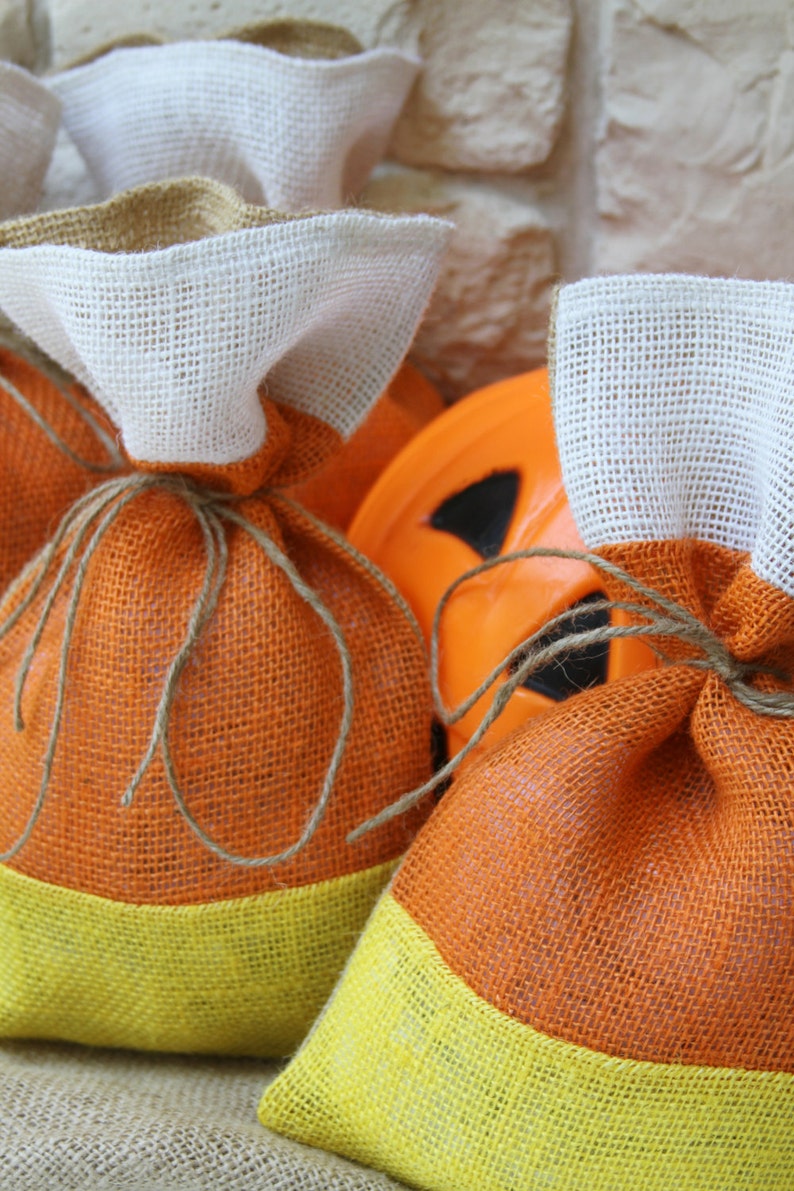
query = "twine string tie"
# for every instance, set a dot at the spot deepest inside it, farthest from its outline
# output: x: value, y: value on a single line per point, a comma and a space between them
x: 77, y: 540
x: 16, y: 342
x: 658, y: 618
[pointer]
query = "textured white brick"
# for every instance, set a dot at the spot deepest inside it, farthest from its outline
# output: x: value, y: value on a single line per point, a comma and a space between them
x: 80, y: 26
x: 491, y: 94
x: 17, y: 38
x: 695, y: 170
x: 489, y: 316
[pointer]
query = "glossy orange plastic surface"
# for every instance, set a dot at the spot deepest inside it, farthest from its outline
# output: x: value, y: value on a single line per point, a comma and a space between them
x: 506, y: 427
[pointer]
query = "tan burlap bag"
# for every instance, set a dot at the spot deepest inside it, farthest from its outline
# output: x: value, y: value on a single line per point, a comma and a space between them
x: 201, y: 689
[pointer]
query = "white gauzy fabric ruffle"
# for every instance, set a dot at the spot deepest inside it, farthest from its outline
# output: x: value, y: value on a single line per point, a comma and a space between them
x: 674, y: 408
x: 29, y: 119
x: 292, y: 133
x: 175, y: 342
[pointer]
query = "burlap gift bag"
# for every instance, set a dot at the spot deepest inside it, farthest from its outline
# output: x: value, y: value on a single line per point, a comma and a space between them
x: 290, y: 130
x: 583, y: 973
x: 293, y: 114
x: 57, y: 442
x: 201, y: 689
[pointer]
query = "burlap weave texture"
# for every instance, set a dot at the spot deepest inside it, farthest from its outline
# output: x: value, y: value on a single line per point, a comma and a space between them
x: 335, y: 492
x: 80, y: 1120
x: 196, y: 325
x: 38, y: 482
x: 288, y: 132
x: 179, y: 673
x: 604, y: 904
x: 38, y: 478
x: 293, y: 114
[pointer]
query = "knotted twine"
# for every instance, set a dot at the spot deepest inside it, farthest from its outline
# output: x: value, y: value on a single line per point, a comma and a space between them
x: 662, y: 618
x: 16, y: 342
x: 81, y: 532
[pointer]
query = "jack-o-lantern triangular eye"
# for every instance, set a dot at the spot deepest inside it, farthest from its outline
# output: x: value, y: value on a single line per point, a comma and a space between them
x: 579, y: 668
x: 480, y: 514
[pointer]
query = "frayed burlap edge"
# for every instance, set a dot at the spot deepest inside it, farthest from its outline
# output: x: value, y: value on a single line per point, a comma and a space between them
x: 147, y: 218
x: 294, y: 38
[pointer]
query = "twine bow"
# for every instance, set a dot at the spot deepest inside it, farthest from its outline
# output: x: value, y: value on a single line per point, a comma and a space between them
x: 661, y: 617
x: 80, y: 535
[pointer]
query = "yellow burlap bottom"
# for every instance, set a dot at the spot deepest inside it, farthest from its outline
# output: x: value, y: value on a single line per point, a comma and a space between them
x: 410, y: 1071
x: 244, y: 976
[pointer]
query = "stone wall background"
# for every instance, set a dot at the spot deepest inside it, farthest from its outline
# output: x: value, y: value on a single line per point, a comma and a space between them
x: 563, y: 137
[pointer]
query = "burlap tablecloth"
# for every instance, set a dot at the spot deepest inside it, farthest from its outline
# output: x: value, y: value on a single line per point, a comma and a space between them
x: 76, y: 1119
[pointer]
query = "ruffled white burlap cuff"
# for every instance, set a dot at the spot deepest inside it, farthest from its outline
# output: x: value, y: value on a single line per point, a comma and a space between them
x: 175, y: 341
x: 674, y: 408
x: 293, y: 133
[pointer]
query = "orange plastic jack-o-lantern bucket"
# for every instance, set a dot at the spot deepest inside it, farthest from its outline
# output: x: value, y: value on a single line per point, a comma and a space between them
x: 484, y: 479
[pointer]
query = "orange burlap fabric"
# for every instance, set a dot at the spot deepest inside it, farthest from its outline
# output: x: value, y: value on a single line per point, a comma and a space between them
x: 336, y: 491
x: 257, y: 712
x: 618, y: 873
x: 38, y: 481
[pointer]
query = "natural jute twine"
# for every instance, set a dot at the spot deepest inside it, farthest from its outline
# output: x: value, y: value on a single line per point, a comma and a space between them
x: 663, y: 618
x: 81, y: 533
x: 14, y: 341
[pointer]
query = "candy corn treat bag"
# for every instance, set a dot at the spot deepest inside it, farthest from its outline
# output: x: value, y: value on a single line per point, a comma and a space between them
x: 293, y: 114
x: 295, y: 126
x: 582, y: 975
x: 201, y: 689
x: 57, y: 442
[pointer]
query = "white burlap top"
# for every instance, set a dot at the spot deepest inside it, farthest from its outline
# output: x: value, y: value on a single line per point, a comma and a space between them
x: 29, y: 119
x: 674, y: 408
x: 292, y: 133
x: 175, y: 342
x: 74, y: 1119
